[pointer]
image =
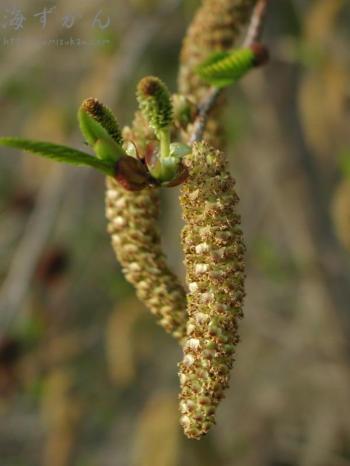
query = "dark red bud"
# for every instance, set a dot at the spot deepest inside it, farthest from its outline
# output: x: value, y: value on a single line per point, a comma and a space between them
x: 132, y: 174
x: 261, y: 53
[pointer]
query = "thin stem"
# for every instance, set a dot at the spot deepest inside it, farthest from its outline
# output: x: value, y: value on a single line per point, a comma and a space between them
x: 164, y: 139
x: 203, y: 115
x: 257, y: 22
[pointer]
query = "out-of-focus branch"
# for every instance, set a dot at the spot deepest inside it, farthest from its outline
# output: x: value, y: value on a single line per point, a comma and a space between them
x: 254, y: 33
x: 35, y: 236
x: 257, y: 22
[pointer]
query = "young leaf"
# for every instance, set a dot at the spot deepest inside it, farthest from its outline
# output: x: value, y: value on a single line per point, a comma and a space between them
x: 98, y: 138
x: 104, y: 117
x: 58, y: 153
x: 101, y: 130
x: 222, y: 69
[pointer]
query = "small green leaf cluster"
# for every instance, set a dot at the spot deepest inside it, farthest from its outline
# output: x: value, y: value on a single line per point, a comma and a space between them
x: 224, y: 68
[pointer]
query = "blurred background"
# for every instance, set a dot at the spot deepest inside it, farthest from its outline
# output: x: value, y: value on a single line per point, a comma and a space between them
x: 86, y: 376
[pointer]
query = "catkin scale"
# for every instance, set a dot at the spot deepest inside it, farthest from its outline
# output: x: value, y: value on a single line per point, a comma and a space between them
x: 214, y: 258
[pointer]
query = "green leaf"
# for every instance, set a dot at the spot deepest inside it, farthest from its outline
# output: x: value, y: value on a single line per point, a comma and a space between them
x: 104, y: 117
x: 222, y: 69
x: 91, y: 129
x: 97, y: 135
x: 59, y: 153
x: 215, y: 57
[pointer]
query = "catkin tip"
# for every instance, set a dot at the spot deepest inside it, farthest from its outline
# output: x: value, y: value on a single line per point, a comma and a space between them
x: 104, y: 116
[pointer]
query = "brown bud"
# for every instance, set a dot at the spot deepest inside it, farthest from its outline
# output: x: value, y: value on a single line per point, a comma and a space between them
x: 132, y: 174
x: 261, y: 53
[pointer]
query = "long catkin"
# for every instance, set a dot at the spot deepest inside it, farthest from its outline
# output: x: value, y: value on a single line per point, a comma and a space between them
x: 135, y: 236
x: 133, y: 227
x: 214, y: 258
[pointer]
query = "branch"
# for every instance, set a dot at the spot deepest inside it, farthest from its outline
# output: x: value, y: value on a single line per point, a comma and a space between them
x: 254, y: 33
x: 204, y: 109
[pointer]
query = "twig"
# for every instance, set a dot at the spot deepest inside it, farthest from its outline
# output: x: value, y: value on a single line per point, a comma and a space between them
x: 257, y: 22
x: 254, y: 33
x: 203, y: 114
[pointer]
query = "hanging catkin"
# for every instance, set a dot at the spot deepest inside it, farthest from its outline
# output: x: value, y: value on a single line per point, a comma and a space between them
x: 214, y: 259
x: 133, y: 227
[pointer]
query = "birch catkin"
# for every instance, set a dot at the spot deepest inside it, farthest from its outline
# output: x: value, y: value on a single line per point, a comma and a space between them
x: 214, y: 259
x: 136, y: 240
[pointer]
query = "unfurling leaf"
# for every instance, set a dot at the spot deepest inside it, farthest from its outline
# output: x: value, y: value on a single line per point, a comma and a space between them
x: 222, y: 69
x: 101, y: 130
x: 104, y: 116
